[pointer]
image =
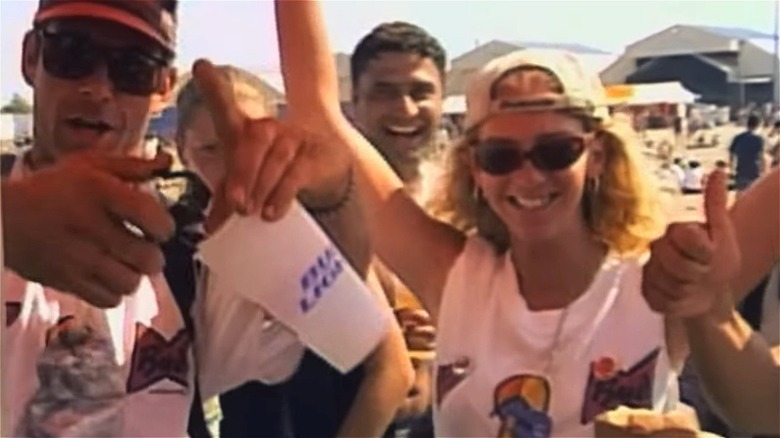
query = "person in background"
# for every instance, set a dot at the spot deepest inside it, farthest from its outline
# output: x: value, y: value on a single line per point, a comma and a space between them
x: 398, y: 75
x: 678, y: 167
x: 266, y: 404
x: 693, y: 179
x: 746, y: 154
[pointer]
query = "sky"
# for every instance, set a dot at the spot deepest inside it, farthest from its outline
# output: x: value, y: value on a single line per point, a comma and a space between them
x: 242, y: 32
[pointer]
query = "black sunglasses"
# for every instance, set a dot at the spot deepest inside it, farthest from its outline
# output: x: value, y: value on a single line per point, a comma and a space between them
x: 72, y: 56
x: 501, y: 156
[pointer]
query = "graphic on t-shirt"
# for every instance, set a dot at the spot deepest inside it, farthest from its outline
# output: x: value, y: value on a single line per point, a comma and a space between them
x: 609, y: 387
x: 156, y: 359
x: 12, y: 311
x: 521, y: 403
x: 449, y: 376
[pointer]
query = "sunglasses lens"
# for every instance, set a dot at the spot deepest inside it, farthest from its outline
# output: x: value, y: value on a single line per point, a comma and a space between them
x: 133, y: 72
x: 72, y: 56
x: 557, y: 154
x: 498, y: 157
x: 69, y: 56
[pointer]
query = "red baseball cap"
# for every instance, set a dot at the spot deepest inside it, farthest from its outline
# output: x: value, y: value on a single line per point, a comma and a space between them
x: 154, y: 18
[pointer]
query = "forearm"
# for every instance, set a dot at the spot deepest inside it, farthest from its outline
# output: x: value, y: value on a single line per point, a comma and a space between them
x: 381, y: 393
x: 756, y: 221
x: 346, y: 228
x: 739, y: 374
x: 388, y: 377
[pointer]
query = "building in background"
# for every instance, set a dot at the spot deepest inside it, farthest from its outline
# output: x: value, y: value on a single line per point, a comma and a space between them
x: 725, y: 66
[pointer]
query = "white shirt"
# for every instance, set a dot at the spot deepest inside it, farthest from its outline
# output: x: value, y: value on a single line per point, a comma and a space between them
x: 236, y: 343
x: 549, y: 373
x: 693, y: 179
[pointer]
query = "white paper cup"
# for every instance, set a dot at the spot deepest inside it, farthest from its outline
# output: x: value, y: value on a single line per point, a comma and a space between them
x: 294, y: 271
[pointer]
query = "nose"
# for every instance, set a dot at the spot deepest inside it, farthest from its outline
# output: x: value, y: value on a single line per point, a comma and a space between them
x: 98, y: 85
x: 527, y: 174
x: 406, y: 106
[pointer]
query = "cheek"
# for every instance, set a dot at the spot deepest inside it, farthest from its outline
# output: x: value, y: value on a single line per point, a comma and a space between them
x: 210, y: 170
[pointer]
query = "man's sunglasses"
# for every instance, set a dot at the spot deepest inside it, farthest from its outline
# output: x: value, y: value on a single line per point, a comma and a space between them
x: 502, y: 156
x: 73, y: 56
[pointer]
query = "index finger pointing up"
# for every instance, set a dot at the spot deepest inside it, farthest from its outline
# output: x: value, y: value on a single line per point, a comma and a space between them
x: 220, y: 101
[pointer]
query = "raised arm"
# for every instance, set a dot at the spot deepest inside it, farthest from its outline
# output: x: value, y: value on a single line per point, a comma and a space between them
x: 756, y: 219
x: 419, y: 249
x: 739, y: 372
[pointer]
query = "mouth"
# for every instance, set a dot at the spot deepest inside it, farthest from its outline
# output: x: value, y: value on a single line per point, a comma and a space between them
x: 404, y: 131
x: 96, y: 125
x: 529, y: 203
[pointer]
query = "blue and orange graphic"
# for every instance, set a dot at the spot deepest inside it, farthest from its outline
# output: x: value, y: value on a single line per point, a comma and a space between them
x: 522, y: 403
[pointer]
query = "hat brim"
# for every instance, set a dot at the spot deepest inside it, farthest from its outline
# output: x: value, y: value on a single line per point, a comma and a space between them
x: 102, y: 12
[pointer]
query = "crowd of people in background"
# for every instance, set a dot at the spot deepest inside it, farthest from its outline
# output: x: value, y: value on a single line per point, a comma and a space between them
x: 535, y: 282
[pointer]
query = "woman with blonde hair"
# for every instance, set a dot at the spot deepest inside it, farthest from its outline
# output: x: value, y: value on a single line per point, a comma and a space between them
x: 536, y: 285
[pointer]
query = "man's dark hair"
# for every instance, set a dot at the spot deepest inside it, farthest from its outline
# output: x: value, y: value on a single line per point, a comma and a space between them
x: 753, y: 121
x: 399, y: 37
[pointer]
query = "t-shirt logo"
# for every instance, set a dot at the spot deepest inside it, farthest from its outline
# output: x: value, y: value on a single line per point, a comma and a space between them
x: 156, y: 359
x: 609, y: 387
x: 521, y: 402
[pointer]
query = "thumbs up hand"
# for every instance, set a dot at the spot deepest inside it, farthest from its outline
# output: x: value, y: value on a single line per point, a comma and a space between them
x: 691, y: 267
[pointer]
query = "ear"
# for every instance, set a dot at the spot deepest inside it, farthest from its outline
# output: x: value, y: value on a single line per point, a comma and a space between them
x: 597, y: 154
x: 31, y: 50
x: 165, y: 92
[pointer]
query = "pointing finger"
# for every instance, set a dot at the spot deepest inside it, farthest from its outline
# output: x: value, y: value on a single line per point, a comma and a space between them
x: 220, y: 101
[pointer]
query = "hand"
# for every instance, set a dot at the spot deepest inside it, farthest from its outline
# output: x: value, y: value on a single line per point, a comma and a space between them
x: 418, y: 329
x: 64, y: 226
x: 692, y: 265
x: 269, y: 162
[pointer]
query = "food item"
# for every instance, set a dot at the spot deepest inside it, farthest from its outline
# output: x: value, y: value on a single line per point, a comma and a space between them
x: 81, y: 387
x: 624, y: 422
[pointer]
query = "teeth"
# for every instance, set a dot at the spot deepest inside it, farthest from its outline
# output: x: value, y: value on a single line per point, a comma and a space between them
x: 402, y: 130
x: 530, y: 203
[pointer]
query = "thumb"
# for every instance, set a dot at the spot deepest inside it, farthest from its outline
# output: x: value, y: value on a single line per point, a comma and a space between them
x: 716, y: 204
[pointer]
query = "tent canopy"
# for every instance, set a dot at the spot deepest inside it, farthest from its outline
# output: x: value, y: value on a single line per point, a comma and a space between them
x: 649, y: 94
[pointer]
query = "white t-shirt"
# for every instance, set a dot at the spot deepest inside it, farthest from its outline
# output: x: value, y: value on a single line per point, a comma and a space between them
x: 238, y: 341
x: 693, y: 179
x: 235, y: 343
x: 150, y: 341
x: 496, y: 370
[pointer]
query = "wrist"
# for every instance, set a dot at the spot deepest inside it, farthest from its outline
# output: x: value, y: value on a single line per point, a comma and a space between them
x: 332, y: 197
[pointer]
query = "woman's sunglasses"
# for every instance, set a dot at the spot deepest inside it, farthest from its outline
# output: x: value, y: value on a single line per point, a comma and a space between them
x: 502, y: 156
x: 73, y: 56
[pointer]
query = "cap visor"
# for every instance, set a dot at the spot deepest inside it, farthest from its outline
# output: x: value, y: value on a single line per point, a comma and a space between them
x: 102, y: 12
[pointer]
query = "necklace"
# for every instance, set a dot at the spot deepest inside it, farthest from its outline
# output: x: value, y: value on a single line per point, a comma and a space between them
x: 549, y: 360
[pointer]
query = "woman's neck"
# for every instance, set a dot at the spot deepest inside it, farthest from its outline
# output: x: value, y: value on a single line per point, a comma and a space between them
x: 553, y: 273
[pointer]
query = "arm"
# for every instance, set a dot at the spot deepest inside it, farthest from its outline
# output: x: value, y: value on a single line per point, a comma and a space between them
x: 388, y: 377
x: 739, y: 373
x: 419, y: 249
x: 756, y: 220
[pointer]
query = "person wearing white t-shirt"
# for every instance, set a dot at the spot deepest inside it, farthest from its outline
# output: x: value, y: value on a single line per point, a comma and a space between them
x: 693, y: 178
x: 542, y: 325
x: 84, y: 122
x: 230, y: 327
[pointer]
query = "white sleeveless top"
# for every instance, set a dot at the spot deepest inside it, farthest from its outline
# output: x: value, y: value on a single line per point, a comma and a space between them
x: 495, y: 376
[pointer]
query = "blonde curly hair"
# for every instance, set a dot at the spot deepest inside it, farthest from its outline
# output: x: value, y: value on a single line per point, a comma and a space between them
x: 623, y: 210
